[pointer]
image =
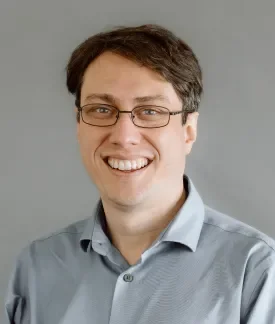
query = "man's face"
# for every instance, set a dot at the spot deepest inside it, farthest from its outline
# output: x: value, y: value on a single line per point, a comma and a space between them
x: 164, y: 148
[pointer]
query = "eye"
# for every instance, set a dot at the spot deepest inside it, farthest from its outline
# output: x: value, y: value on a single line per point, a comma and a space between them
x: 149, y: 111
x: 103, y: 110
x: 98, y: 110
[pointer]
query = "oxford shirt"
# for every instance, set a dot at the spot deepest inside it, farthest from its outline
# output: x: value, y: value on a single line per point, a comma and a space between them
x: 205, y: 267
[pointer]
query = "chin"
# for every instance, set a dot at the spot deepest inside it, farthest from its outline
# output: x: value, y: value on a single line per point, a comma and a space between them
x: 125, y: 199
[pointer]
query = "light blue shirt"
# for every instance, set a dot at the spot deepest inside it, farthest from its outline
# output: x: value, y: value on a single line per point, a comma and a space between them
x: 205, y: 267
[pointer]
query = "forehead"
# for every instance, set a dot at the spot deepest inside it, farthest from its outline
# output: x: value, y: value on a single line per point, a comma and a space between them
x: 125, y: 79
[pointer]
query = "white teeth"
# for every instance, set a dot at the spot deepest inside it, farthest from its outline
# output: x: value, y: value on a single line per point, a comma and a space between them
x: 128, y: 165
x: 134, y: 165
x: 121, y: 165
x: 139, y: 163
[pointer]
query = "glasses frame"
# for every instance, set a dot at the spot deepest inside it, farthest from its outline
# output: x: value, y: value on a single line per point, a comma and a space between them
x: 170, y: 113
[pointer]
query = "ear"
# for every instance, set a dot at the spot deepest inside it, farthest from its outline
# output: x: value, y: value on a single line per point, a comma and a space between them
x: 190, y: 127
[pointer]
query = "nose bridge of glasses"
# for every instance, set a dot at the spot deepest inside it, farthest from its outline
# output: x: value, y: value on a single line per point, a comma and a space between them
x: 124, y: 130
x: 126, y: 112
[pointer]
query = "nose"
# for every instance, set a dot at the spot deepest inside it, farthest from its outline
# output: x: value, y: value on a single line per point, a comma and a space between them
x: 124, y: 132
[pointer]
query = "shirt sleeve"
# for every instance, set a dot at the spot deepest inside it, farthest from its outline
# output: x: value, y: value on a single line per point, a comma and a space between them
x: 16, y: 297
x: 259, y: 293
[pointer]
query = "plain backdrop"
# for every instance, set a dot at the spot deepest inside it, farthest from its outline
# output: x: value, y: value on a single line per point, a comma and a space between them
x: 43, y: 185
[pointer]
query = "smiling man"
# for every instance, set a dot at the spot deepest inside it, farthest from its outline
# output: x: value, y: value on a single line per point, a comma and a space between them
x: 151, y: 252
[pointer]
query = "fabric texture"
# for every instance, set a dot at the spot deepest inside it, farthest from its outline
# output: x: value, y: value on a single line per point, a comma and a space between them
x: 205, y: 267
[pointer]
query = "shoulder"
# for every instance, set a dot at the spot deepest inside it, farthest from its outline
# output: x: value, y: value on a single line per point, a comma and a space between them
x: 247, y: 253
x: 62, y: 242
x: 44, y: 261
x: 241, y: 245
x: 233, y: 229
x: 74, y: 229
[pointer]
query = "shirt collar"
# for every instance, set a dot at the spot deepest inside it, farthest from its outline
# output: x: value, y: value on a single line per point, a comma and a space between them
x: 94, y: 230
x: 185, y: 228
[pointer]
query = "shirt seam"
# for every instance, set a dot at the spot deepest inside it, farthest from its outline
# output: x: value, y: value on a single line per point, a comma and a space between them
x: 257, y: 238
x: 252, y: 294
x: 52, y: 235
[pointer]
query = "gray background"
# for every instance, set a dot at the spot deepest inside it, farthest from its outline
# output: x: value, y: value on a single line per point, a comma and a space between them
x: 43, y: 185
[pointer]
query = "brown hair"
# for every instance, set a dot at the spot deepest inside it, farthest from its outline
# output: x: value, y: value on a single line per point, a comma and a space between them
x: 151, y: 46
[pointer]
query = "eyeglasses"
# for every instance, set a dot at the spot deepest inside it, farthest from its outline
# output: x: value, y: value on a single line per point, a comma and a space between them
x: 148, y: 116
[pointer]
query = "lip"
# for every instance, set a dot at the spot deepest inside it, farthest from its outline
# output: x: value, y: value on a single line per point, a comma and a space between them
x: 126, y: 157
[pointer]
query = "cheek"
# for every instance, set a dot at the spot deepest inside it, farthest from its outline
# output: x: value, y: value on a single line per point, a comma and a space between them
x: 171, y: 148
x: 88, y: 145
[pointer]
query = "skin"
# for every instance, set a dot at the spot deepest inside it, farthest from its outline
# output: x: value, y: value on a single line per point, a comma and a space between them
x: 137, y: 206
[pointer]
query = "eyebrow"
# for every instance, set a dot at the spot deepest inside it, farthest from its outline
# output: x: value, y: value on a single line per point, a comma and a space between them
x: 113, y: 100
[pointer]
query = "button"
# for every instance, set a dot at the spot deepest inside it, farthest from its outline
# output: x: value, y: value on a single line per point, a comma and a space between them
x: 128, y: 277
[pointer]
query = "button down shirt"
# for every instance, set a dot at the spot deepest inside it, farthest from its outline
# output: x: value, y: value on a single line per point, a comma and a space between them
x: 205, y: 267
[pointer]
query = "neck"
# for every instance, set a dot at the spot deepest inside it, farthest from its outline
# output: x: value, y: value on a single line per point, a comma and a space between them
x: 132, y: 230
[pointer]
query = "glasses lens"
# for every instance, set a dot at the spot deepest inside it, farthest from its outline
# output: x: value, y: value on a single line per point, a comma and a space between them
x: 99, y: 114
x: 150, y: 116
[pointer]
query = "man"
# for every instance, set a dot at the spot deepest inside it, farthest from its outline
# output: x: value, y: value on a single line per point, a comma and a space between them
x: 151, y: 252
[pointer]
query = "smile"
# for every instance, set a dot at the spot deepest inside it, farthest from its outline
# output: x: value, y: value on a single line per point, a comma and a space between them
x: 128, y: 165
